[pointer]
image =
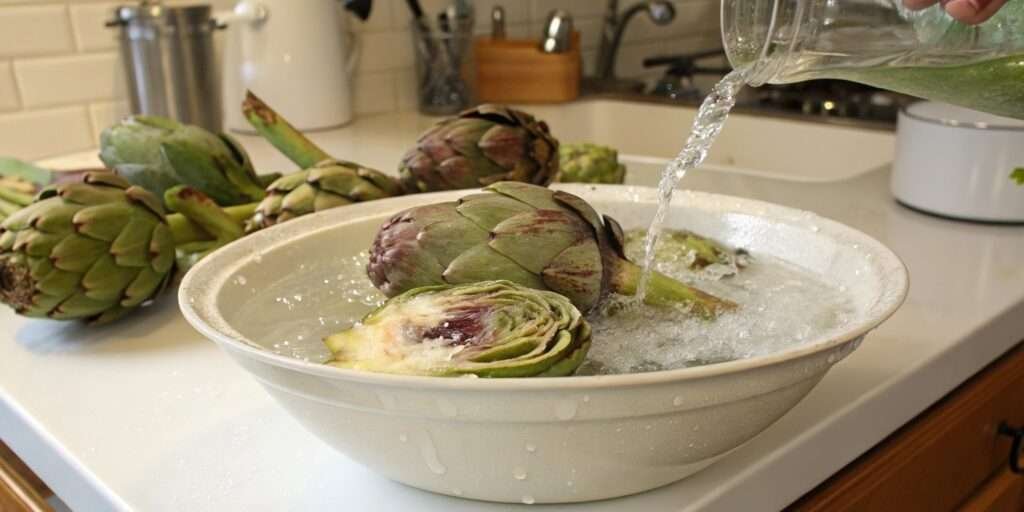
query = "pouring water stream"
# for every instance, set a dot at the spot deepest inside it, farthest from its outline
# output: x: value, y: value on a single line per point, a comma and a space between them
x: 709, y: 121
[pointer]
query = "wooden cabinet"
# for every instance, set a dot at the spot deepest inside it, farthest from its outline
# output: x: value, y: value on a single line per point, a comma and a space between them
x: 951, y: 457
x: 20, y: 489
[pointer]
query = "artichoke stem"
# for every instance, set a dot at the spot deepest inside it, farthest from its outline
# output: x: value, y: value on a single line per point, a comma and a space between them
x: 13, y: 196
x: 663, y: 291
x: 279, y: 132
x: 185, y: 230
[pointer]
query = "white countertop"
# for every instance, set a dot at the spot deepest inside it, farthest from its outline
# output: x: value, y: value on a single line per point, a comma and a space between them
x: 147, y: 415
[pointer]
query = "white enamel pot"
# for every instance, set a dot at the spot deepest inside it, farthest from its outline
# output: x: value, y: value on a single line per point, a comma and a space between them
x: 957, y: 162
x: 541, y: 440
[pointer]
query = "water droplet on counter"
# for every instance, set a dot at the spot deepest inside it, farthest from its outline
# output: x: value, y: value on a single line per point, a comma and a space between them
x: 519, y: 473
x: 429, y: 453
x: 566, y: 410
x: 531, y: 448
x: 527, y: 499
x: 403, y: 438
x: 677, y: 401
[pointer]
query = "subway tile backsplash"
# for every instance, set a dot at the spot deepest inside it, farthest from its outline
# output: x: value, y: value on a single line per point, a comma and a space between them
x: 62, y: 81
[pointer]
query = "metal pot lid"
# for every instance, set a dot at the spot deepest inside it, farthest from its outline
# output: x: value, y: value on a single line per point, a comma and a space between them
x: 154, y: 12
x: 960, y: 117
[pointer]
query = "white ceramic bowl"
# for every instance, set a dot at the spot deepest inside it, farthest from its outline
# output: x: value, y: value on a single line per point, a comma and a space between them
x: 542, y: 440
x: 956, y: 162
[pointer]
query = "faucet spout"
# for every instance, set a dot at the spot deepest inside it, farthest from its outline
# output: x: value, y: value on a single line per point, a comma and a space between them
x: 661, y: 12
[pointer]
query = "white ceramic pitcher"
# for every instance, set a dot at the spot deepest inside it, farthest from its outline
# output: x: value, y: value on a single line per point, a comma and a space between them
x: 295, y: 55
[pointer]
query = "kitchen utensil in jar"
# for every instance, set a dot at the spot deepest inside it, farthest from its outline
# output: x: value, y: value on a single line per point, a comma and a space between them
x: 169, y: 61
x: 557, y: 36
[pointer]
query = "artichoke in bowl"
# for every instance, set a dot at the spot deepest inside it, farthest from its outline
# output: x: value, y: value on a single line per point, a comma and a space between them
x: 534, y: 236
x: 487, y: 329
x: 699, y: 251
x: 590, y: 163
x: 480, y: 146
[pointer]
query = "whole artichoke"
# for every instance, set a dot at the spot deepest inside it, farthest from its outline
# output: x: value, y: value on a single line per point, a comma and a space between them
x: 157, y: 153
x: 590, y: 163
x: 488, y: 329
x: 331, y: 183
x: 483, y: 145
x: 533, y: 236
x: 92, y: 250
x: 97, y: 248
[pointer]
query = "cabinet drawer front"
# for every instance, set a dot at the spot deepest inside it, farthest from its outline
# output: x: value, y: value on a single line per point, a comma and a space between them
x: 938, y: 460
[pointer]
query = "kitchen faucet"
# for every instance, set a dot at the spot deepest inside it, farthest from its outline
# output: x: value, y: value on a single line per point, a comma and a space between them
x: 661, y: 12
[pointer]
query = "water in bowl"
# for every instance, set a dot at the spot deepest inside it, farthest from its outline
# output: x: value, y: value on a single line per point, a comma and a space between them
x: 782, y: 306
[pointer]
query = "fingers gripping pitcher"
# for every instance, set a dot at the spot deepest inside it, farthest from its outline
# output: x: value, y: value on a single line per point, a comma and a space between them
x: 883, y: 43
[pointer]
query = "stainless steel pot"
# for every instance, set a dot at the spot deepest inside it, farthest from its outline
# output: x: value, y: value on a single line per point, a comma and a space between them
x: 169, y: 59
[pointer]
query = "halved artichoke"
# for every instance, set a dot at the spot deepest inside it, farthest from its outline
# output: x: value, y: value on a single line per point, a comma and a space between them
x: 487, y: 329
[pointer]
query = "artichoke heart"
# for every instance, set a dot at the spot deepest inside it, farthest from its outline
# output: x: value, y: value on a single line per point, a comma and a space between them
x: 487, y: 329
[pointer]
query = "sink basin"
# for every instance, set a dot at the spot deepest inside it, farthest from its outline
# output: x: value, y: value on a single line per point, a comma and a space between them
x: 651, y: 134
x: 540, y: 440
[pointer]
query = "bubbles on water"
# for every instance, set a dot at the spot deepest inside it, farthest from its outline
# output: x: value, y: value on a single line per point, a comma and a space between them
x: 781, y: 306
x: 519, y: 473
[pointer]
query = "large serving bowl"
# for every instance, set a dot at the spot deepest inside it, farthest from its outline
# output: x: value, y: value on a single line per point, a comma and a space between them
x: 539, y: 440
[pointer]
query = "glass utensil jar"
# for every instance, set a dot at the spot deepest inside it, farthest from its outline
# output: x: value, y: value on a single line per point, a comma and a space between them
x: 924, y: 53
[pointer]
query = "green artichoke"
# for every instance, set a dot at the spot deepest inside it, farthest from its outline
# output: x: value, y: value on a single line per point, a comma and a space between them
x: 480, y: 146
x: 533, y: 236
x: 92, y: 250
x: 331, y: 183
x: 590, y: 163
x: 158, y: 153
x: 98, y: 248
x: 701, y: 251
x: 487, y: 329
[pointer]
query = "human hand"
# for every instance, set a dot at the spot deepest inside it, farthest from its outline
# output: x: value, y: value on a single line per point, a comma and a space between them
x: 968, y: 11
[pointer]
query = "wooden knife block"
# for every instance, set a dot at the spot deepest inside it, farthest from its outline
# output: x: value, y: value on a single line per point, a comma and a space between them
x: 516, y: 71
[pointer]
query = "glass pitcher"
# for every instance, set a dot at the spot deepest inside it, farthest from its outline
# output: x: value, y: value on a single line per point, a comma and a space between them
x: 923, y: 53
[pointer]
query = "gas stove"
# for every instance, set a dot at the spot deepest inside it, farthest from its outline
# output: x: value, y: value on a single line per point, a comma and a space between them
x: 828, y: 98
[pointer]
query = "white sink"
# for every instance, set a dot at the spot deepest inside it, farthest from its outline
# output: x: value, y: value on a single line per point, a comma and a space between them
x: 646, y: 135
x: 652, y: 134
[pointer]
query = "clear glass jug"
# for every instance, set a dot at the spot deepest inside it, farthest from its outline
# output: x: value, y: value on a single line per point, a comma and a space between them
x: 923, y: 53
